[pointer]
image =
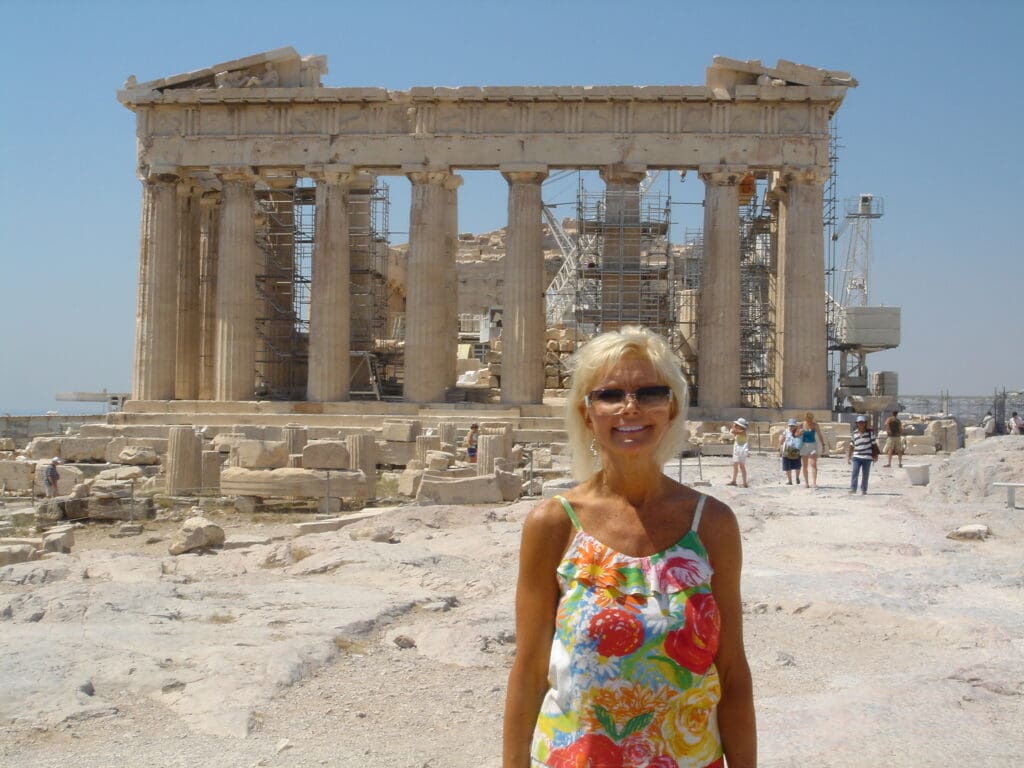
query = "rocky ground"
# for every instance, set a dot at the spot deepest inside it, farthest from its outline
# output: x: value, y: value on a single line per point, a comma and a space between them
x: 872, y: 637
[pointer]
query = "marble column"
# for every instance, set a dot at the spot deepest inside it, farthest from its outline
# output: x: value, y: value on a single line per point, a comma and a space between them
x: 157, y: 305
x: 718, y: 327
x: 620, y: 253
x: 209, y: 223
x: 362, y: 451
x: 184, y: 461
x: 187, y: 357
x: 430, y: 341
x: 451, y: 277
x: 522, y: 335
x: 330, y: 301
x: 235, y: 356
x: 800, y: 333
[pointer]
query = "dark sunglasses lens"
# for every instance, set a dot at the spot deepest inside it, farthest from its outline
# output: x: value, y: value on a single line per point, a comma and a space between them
x: 610, y: 396
x: 653, y: 395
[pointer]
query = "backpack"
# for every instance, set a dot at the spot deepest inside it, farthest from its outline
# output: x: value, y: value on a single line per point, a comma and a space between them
x: 791, y: 448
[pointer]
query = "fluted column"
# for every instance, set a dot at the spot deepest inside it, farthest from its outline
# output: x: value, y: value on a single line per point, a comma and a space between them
x: 522, y: 336
x: 430, y: 317
x: 620, y: 254
x: 330, y: 299
x: 209, y: 224
x: 157, y: 305
x: 235, y: 357
x: 718, y: 327
x: 800, y: 333
x: 187, y: 357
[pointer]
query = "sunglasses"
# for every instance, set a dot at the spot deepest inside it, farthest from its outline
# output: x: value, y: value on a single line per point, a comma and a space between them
x: 654, y: 396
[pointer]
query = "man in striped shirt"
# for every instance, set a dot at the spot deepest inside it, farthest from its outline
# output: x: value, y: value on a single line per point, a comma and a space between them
x: 860, y: 454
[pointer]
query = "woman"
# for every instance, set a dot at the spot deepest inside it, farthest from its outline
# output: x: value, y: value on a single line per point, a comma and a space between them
x: 628, y: 620
x: 740, y: 450
x: 790, y: 443
x: 861, y: 453
x: 812, y: 442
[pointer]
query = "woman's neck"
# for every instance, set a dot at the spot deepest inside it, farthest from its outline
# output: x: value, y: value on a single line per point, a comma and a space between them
x: 635, y: 481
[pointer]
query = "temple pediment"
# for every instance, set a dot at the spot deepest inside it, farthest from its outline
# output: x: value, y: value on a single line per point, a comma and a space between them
x: 279, y: 68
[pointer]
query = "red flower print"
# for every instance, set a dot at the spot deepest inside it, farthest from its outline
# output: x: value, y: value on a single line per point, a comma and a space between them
x: 679, y: 573
x: 695, y: 645
x: 618, y: 633
x: 589, y: 751
x: 664, y: 761
x: 719, y: 763
x: 637, y: 752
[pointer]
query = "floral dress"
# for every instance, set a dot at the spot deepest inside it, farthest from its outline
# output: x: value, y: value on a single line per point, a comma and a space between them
x: 632, y: 677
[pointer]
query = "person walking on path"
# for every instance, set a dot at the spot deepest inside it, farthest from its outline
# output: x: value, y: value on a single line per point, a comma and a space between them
x: 51, y: 477
x: 894, y: 444
x: 629, y: 646
x: 812, y: 443
x: 740, y: 450
x: 789, y: 449
x: 862, y: 451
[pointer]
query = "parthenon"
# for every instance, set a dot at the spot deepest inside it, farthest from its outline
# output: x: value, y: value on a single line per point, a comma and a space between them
x: 212, y: 140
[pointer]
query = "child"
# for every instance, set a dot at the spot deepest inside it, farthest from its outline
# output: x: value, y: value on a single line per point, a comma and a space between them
x: 740, y: 450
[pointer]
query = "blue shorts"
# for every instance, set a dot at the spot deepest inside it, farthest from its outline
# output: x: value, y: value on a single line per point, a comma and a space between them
x: 788, y: 464
x: 471, y: 452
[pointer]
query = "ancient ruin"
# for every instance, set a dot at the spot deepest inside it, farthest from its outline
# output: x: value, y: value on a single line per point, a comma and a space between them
x: 252, y: 165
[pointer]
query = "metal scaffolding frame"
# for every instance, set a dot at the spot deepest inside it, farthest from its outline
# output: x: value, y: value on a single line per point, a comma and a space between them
x: 285, y: 236
x: 758, y: 267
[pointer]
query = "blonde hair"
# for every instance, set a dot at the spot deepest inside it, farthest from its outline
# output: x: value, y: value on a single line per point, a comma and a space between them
x: 592, y: 361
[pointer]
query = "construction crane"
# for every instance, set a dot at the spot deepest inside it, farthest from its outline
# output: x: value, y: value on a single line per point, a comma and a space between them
x: 860, y: 327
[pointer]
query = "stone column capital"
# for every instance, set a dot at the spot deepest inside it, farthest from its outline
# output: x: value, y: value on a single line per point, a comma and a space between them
x: 807, y: 175
x: 419, y: 174
x: 164, y: 173
x: 524, y: 173
x: 623, y: 173
x: 235, y: 173
x: 723, y: 175
x: 453, y: 182
x: 336, y: 173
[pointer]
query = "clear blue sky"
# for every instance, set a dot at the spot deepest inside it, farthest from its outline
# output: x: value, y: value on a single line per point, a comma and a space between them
x: 934, y: 128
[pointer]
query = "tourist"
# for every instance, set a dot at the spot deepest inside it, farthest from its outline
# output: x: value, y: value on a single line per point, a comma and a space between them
x: 862, y: 451
x: 472, y: 438
x: 740, y: 450
x: 812, y: 442
x: 988, y: 423
x: 627, y: 653
x: 894, y: 443
x: 790, y: 443
x: 1015, y: 426
x: 51, y: 477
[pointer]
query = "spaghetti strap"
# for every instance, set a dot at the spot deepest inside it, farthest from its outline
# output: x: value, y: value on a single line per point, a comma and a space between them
x: 569, y: 511
x: 698, y: 512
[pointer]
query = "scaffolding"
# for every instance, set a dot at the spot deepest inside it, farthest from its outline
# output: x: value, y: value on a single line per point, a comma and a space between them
x: 623, y: 273
x: 757, y: 297
x: 285, y: 236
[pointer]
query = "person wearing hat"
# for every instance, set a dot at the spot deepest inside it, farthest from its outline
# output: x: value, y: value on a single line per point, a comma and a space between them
x: 740, y: 450
x: 789, y: 449
x: 862, y: 451
x: 51, y: 477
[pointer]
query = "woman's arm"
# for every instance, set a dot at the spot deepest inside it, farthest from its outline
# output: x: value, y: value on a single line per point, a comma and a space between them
x: 545, y: 533
x: 736, y: 719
